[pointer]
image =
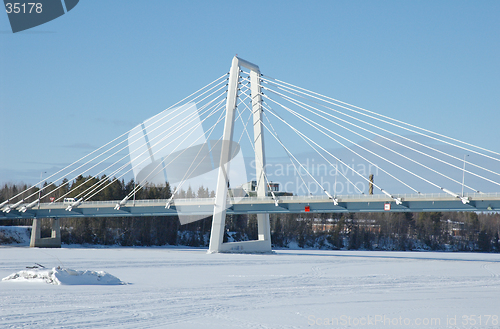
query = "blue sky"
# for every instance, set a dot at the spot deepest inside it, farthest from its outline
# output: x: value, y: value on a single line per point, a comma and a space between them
x: 71, y: 85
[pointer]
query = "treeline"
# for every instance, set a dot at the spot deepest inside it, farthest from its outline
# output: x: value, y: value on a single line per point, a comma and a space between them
x: 94, y: 189
x: 447, y: 231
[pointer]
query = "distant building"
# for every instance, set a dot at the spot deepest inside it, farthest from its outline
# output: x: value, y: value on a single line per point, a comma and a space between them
x: 250, y: 189
x: 329, y: 224
x: 453, y: 228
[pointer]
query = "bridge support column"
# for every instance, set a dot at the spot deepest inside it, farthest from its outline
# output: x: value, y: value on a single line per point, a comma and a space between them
x: 263, y: 244
x: 37, y: 241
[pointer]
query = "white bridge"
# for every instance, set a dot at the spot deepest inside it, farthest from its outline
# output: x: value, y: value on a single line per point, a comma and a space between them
x: 174, y: 146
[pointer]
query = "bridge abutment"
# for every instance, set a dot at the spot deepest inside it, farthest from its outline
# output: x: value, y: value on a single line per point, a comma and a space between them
x: 54, y: 241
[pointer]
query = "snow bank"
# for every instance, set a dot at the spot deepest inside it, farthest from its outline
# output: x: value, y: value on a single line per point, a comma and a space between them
x: 15, y: 235
x: 66, y: 276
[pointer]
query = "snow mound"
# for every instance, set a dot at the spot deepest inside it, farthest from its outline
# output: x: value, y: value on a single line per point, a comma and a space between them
x: 66, y: 276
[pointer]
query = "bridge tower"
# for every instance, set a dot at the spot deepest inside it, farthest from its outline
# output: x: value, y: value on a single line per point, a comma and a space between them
x: 263, y: 244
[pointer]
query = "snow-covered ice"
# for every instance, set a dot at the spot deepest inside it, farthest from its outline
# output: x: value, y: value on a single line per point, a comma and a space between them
x: 188, y: 288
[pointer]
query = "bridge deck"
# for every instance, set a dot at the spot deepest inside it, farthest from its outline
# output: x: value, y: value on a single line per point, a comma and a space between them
x: 288, y: 204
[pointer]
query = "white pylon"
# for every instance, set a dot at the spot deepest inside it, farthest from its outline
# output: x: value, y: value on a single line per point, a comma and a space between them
x: 263, y: 244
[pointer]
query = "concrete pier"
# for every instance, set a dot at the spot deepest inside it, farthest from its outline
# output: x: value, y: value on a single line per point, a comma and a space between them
x: 36, y: 234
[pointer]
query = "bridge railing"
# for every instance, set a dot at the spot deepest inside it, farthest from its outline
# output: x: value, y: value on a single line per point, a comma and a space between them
x: 347, y: 197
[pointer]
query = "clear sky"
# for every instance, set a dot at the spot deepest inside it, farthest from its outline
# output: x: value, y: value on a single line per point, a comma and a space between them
x: 73, y: 84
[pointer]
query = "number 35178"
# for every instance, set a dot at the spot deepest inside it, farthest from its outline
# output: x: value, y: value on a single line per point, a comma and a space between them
x: 17, y: 8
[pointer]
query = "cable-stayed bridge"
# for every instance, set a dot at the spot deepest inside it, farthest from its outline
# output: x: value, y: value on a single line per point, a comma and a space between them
x: 207, y: 138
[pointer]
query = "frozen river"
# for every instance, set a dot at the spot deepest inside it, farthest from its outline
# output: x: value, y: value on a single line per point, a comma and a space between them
x: 188, y: 288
